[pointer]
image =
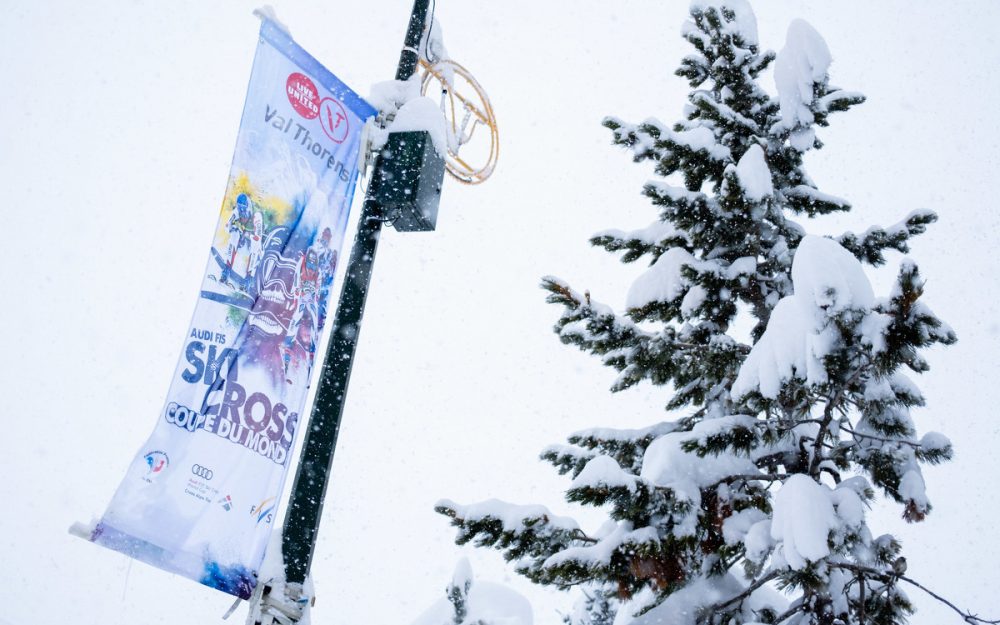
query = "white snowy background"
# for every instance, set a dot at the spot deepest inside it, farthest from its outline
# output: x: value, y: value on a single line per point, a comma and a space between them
x: 119, y: 120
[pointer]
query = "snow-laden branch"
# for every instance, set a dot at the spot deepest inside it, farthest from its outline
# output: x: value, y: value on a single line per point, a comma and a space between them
x: 890, y: 578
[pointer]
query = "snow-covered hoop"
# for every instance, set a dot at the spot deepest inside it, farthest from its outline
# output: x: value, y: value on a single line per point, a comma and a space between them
x: 463, y: 114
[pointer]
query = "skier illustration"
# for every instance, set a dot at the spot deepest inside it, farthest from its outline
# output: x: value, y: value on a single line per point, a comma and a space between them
x: 256, y: 242
x: 239, y: 226
x: 303, y: 327
x: 327, y: 258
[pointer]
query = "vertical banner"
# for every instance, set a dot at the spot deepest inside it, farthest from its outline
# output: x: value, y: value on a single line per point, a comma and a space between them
x: 199, y: 498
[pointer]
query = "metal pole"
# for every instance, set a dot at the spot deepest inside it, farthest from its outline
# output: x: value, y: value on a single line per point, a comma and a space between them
x: 298, y: 540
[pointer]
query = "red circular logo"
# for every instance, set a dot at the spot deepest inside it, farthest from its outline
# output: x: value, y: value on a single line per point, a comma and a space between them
x: 333, y: 119
x: 303, y: 95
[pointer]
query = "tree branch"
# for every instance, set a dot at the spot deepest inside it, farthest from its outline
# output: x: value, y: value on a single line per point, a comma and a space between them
x: 790, y: 612
x: 743, y: 595
x: 967, y: 616
x: 886, y: 576
x: 861, y: 594
x: 579, y: 535
x: 761, y: 477
x: 853, y: 432
x: 831, y: 405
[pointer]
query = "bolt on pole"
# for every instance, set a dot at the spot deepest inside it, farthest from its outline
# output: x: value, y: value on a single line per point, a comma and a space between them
x: 298, y: 540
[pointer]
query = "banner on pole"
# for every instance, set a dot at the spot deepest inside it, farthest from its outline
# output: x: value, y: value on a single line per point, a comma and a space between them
x: 200, y: 496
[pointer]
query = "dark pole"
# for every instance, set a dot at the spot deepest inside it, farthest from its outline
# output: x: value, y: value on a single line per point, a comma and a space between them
x: 298, y: 540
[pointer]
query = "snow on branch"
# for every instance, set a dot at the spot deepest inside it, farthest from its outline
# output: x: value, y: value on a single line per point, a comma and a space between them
x: 662, y: 282
x: 525, y: 534
x: 802, y: 521
x: 723, y: 114
x: 655, y: 239
x: 621, y: 539
x: 625, y: 446
x: 803, y: 62
x: 870, y: 245
x: 469, y: 601
x: 667, y: 463
x: 653, y: 140
x: 808, y: 200
x: 694, y: 140
x: 828, y: 280
x: 512, y: 518
x: 602, y: 472
x: 754, y: 175
x: 567, y: 458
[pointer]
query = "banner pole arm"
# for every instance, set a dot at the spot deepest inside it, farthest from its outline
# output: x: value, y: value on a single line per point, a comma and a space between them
x: 305, y: 506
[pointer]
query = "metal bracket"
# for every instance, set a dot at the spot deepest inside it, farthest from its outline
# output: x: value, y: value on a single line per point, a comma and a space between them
x: 278, y: 604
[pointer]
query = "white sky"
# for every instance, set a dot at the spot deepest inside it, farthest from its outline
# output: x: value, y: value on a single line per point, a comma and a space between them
x: 119, y: 125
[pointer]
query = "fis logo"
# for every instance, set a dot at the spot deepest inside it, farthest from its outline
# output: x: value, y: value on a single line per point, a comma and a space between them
x: 264, y: 511
x: 227, y: 503
x: 156, y: 461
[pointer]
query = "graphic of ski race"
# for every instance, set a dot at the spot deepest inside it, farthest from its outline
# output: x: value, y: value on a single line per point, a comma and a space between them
x: 200, y: 496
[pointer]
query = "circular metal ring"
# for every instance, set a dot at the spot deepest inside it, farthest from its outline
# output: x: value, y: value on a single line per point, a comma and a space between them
x: 466, y: 107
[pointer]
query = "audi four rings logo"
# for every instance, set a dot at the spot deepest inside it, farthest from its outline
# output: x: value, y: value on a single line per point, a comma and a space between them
x: 202, y: 472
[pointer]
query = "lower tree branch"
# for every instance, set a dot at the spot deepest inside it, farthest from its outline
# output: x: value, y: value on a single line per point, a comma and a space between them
x: 743, y: 595
x: 853, y: 432
x: 762, y: 477
x: 861, y: 602
x: 887, y: 576
x: 967, y: 616
x: 789, y: 613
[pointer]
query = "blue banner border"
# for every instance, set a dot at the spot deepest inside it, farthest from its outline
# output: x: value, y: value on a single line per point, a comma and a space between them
x: 281, y: 41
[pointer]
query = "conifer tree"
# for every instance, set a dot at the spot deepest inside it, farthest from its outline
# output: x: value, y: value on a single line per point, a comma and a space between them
x: 468, y: 602
x: 458, y: 592
x: 763, y: 482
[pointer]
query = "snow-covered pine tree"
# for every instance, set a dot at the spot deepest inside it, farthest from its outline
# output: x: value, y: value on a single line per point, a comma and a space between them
x: 764, y: 482
x: 458, y: 591
x: 468, y: 602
